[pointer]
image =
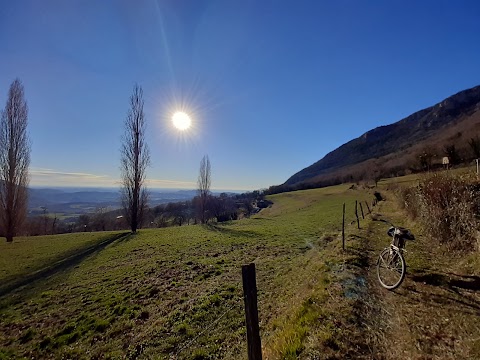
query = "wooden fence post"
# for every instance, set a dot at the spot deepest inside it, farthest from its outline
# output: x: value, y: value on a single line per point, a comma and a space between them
x: 343, y: 228
x: 356, y: 214
x: 361, y: 209
x: 251, y: 312
x: 368, y: 207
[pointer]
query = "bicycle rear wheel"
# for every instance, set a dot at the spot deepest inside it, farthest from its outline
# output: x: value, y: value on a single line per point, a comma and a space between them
x: 391, y: 268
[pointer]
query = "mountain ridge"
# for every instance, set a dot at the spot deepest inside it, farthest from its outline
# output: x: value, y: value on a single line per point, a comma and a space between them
x: 388, y: 139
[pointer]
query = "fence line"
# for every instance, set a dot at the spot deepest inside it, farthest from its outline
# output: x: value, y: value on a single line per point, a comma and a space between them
x: 374, y: 202
x: 368, y: 207
x: 356, y: 214
x: 221, y: 316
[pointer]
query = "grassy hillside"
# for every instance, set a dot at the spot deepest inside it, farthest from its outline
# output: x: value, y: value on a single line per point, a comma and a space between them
x: 27, y: 255
x: 177, y: 291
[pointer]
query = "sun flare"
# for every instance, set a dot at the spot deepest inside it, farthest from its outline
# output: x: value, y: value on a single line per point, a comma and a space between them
x: 181, y: 120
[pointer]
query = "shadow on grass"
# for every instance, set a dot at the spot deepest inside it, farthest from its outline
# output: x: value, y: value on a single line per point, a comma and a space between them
x: 364, y: 254
x: 60, y: 265
x: 449, y: 280
x: 359, y: 257
x: 232, y: 232
x: 452, y: 286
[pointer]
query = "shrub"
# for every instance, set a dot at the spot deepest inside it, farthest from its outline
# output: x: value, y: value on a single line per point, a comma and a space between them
x: 447, y: 208
x: 410, y: 196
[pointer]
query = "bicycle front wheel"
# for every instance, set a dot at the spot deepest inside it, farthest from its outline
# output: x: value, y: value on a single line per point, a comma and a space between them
x: 391, y: 268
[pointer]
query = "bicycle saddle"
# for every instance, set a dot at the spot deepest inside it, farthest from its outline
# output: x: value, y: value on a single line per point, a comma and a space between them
x: 401, y: 232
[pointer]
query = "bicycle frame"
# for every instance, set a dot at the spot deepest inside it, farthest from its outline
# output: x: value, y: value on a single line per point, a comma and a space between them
x: 391, y: 266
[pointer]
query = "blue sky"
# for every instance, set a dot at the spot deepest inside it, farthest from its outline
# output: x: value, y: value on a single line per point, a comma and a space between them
x: 271, y: 86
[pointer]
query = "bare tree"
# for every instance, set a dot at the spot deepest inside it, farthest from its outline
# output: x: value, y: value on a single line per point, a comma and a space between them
x: 100, y: 219
x: 135, y: 158
x: 14, y: 161
x: 223, y: 207
x: 377, y: 172
x: 452, y: 153
x: 204, y: 182
x: 475, y: 147
x: 425, y: 157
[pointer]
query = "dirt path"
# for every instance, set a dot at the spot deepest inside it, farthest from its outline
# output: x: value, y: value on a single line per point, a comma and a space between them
x: 434, y: 314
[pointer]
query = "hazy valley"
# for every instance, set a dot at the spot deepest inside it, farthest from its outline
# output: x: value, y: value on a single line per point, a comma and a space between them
x: 72, y: 202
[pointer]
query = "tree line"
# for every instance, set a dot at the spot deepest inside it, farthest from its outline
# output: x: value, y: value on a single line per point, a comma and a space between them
x: 135, y: 213
x: 217, y: 208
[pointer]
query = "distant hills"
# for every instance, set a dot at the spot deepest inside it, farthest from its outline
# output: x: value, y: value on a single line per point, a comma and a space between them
x: 395, y: 147
x: 70, y: 201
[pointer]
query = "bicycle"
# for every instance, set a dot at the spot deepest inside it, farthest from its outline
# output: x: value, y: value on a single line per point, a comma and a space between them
x: 391, y: 266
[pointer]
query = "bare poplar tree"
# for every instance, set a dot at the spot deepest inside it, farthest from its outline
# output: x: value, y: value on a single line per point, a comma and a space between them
x: 135, y: 159
x: 204, y: 182
x: 14, y: 161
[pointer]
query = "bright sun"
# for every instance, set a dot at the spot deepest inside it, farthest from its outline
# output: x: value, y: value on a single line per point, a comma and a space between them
x: 181, y: 120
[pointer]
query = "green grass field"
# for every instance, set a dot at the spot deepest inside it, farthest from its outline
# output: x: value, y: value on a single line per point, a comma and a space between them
x: 412, y: 179
x: 30, y: 254
x: 177, y: 291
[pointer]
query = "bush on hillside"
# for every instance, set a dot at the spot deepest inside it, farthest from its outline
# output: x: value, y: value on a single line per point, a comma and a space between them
x: 447, y: 207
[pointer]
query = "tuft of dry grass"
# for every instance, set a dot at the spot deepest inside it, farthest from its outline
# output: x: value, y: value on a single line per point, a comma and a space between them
x: 447, y: 207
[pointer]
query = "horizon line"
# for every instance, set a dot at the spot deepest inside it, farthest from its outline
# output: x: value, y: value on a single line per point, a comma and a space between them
x: 118, y: 187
